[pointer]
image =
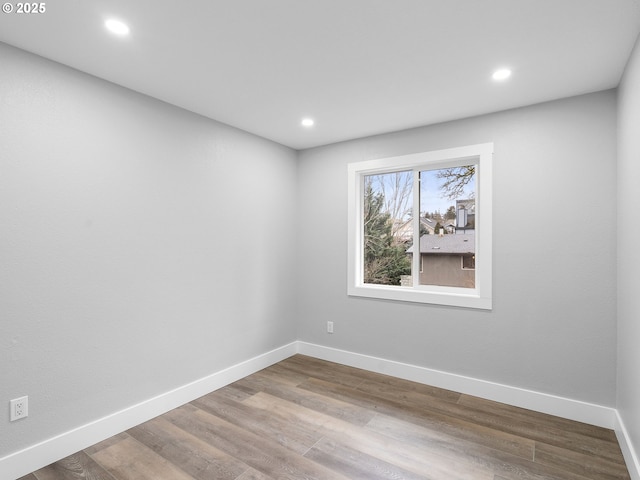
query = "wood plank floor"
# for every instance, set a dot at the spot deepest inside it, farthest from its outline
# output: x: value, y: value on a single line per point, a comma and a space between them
x: 305, y: 418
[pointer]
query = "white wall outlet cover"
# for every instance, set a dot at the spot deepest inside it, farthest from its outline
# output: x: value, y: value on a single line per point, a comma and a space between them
x: 19, y: 408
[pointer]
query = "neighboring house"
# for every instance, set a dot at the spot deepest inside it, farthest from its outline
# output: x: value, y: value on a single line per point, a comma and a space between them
x: 403, y: 229
x: 450, y: 226
x: 448, y: 260
x: 465, y: 215
x: 464, y: 222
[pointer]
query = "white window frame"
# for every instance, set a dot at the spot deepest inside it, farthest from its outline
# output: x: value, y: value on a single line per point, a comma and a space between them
x: 479, y: 297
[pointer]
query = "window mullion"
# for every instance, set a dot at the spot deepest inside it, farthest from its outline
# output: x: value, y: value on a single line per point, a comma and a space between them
x: 415, y: 261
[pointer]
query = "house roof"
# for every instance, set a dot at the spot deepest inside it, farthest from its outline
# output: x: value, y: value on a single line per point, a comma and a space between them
x: 428, y: 223
x: 447, y: 244
x: 468, y: 203
x: 404, y: 228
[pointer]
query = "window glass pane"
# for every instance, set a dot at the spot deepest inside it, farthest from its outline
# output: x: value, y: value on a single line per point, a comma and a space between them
x: 387, y: 228
x: 448, y: 227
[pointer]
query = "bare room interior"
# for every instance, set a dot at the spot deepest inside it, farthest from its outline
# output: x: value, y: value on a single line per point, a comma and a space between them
x: 188, y: 285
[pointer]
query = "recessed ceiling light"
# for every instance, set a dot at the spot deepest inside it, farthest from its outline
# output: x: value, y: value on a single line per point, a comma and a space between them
x: 307, y: 122
x: 117, y: 27
x: 501, y: 74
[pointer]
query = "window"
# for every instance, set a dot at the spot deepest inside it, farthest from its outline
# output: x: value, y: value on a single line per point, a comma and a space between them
x: 469, y: 262
x: 420, y: 227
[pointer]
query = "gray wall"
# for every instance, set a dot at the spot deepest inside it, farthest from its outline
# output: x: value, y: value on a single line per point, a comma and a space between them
x: 142, y: 247
x: 553, y: 325
x: 628, y: 249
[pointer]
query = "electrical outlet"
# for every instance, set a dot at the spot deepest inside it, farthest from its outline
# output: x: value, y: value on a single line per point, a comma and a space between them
x: 19, y: 408
x: 329, y: 327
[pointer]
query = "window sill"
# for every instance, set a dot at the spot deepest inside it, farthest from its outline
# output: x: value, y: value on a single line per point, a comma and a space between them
x: 454, y: 297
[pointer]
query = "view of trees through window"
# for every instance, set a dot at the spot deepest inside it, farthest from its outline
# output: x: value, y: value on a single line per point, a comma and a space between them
x: 447, y: 227
x: 388, y: 231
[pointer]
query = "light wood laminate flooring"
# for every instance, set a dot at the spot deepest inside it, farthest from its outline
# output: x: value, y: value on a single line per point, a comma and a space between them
x: 305, y: 418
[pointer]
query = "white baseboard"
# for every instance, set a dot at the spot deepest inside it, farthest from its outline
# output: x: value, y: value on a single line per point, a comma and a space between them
x: 37, y: 456
x: 630, y: 457
x: 519, y: 397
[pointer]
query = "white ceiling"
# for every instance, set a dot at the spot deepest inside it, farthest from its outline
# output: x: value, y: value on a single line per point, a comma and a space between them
x: 358, y: 67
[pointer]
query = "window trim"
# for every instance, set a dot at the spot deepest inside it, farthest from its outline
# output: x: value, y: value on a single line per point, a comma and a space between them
x: 479, y: 297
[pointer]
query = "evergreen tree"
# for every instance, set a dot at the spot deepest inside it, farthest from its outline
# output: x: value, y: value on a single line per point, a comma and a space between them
x: 385, y: 259
x: 451, y: 213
